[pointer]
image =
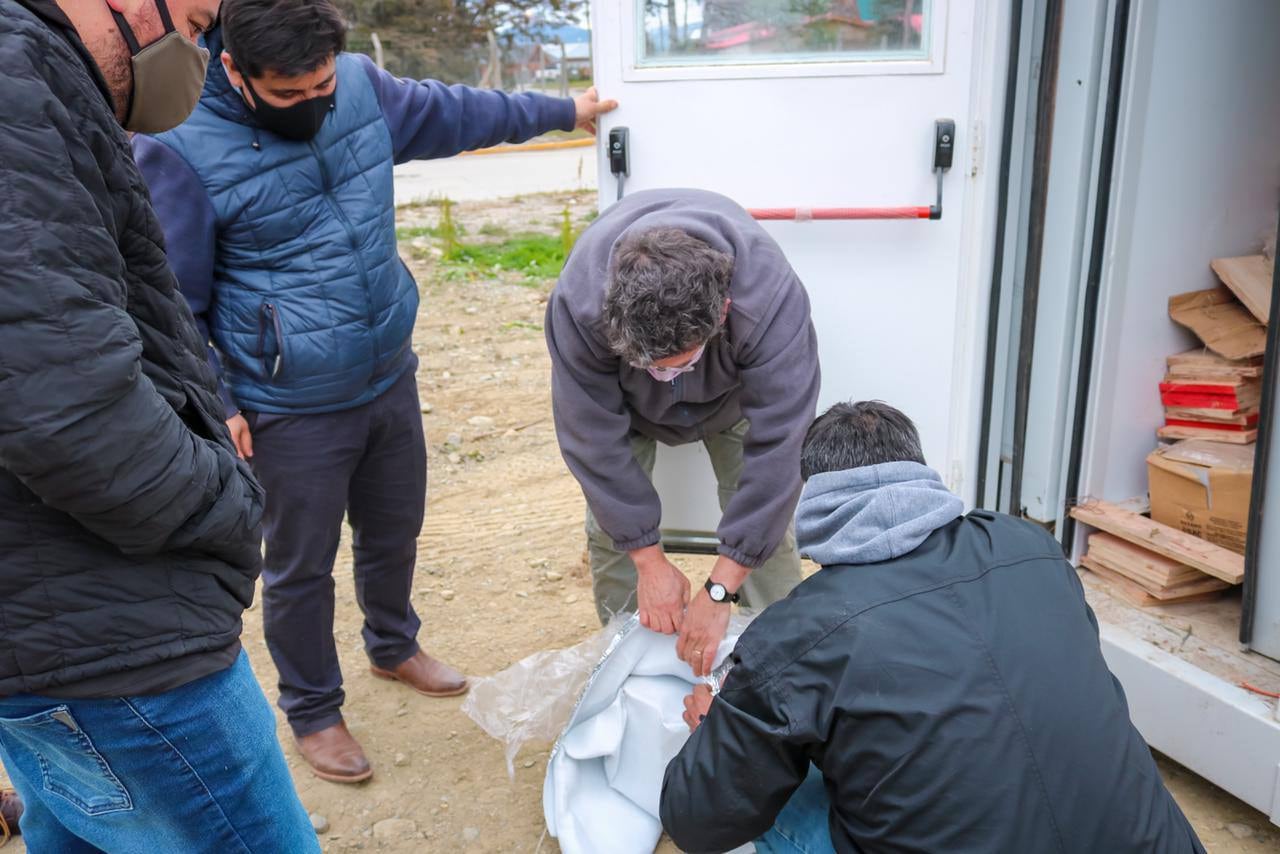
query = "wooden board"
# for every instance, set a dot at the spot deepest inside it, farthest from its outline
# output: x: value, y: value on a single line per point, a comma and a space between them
x: 1133, y: 592
x: 1140, y: 504
x: 1145, y: 567
x: 1221, y: 322
x: 1192, y: 591
x: 1233, y: 437
x: 1206, y: 584
x: 1249, y: 278
x: 1163, y: 540
x: 1232, y: 394
x: 1193, y: 586
x: 1240, y: 420
x: 1203, y: 363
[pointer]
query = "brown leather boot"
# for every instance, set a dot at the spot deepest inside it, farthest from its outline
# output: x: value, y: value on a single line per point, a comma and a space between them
x: 335, y: 755
x: 427, y: 676
x: 10, y: 812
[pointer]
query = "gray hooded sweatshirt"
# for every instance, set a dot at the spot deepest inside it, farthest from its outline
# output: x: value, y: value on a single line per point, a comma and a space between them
x: 870, y: 514
x: 762, y: 367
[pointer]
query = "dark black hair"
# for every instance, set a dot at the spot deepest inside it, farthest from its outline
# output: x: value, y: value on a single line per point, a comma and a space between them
x: 666, y: 294
x: 289, y: 37
x: 853, y: 435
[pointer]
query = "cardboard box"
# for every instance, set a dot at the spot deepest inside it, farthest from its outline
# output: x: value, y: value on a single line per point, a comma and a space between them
x: 1203, y: 487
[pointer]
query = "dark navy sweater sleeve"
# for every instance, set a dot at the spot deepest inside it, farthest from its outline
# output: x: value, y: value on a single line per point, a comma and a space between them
x: 190, y: 234
x: 428, y: 119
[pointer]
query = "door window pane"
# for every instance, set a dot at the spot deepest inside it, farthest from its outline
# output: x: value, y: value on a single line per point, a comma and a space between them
x: 748, y: 32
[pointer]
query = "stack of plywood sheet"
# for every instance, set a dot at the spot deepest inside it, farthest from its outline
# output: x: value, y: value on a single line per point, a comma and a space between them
x: 1153, y: 564
x: 1146, y: 578
x: 1214, y: 393
x: 1206, y: 407
x: 1249, y: 278
x: 1202, y: 364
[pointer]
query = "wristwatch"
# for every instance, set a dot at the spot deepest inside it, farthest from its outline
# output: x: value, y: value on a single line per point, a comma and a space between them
x: 719, y: 593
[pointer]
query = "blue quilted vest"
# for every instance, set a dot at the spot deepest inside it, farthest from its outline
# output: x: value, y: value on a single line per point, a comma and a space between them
x: 313, y: 309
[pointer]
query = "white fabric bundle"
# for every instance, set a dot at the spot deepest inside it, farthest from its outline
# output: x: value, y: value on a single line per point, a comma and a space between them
x: 605, y: 774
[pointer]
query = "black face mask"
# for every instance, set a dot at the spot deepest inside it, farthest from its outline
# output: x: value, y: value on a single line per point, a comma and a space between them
x: 299, y: 122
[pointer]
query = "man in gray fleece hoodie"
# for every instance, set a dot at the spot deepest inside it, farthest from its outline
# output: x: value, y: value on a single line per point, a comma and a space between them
x: 937, y: 687
x: 678, y: 319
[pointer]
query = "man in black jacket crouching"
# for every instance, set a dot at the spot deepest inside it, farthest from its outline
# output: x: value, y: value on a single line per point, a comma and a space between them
x: 130, y: 719
x: 938, y: 686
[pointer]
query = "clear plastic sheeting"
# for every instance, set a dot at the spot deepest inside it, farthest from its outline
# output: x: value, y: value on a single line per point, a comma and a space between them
x: 532, y: 699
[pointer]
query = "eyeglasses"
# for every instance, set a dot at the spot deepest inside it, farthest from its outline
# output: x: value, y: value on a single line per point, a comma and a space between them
x: 666, y: 375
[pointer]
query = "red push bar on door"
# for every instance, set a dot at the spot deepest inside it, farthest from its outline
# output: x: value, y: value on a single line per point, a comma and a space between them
x: 807, y: 214
x: 944, y: 143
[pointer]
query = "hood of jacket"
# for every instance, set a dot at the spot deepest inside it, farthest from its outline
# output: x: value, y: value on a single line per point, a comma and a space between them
x: 872, y: 514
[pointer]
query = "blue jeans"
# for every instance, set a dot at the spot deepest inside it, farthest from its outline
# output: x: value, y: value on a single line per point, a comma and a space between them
x: 803, y: 825
x: 194, y: 769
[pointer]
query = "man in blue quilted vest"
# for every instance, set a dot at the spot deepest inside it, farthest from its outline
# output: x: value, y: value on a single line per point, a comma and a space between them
x: 277, y: 203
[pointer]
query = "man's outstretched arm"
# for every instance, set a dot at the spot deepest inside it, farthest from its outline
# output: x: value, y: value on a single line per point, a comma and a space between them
x: 428, y: 119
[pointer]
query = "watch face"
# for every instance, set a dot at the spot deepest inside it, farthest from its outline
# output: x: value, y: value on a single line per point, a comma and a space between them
x: 718, y: 593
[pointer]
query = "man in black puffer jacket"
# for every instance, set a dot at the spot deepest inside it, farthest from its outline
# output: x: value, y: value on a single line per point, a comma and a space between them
x: 129, y: 529
x: 937, y: 686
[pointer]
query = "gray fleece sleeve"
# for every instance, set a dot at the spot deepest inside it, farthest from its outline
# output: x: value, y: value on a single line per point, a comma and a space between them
x: 780, y: 381
x: 593, y: 428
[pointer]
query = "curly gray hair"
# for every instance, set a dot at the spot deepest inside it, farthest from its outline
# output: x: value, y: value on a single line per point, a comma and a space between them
x: 666, y: 295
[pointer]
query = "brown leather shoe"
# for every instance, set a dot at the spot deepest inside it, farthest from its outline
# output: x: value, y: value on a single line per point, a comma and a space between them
x: 10, y: 812
x: 335, y: 755
x: 427, y: 676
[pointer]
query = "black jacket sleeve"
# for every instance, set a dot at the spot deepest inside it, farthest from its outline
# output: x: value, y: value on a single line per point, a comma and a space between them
x: 739, y: 768
x: 80, y: 424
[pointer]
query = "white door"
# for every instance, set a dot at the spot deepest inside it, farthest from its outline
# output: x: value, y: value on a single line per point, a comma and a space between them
x: 831, y: 107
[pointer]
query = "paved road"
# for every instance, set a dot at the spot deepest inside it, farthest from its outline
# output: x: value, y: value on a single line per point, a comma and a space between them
x: 496, y: 176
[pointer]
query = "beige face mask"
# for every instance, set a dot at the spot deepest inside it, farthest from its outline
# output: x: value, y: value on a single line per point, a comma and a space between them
x: 168, y: 76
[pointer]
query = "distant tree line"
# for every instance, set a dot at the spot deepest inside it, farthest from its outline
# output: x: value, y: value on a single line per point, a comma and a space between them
x: 452, y: 40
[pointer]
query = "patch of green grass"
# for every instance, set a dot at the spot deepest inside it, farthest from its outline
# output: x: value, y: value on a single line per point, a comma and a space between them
x: 523, y: 324
x: 568, y: 236
x: 449, y: 231
x: 410, y: 232
x: 591, y: 215
x: 537, y: 256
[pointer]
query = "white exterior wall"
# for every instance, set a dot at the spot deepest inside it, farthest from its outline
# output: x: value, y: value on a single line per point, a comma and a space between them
x: 899, y: 306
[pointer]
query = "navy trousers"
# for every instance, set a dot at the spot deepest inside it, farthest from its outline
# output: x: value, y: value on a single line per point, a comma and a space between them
x: 371, y: 464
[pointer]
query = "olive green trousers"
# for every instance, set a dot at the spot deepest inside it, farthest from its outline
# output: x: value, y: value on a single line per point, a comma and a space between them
x: 613, y: 573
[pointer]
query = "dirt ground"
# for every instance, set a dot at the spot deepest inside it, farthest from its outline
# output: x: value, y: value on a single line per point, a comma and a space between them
x: 501, y: 575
